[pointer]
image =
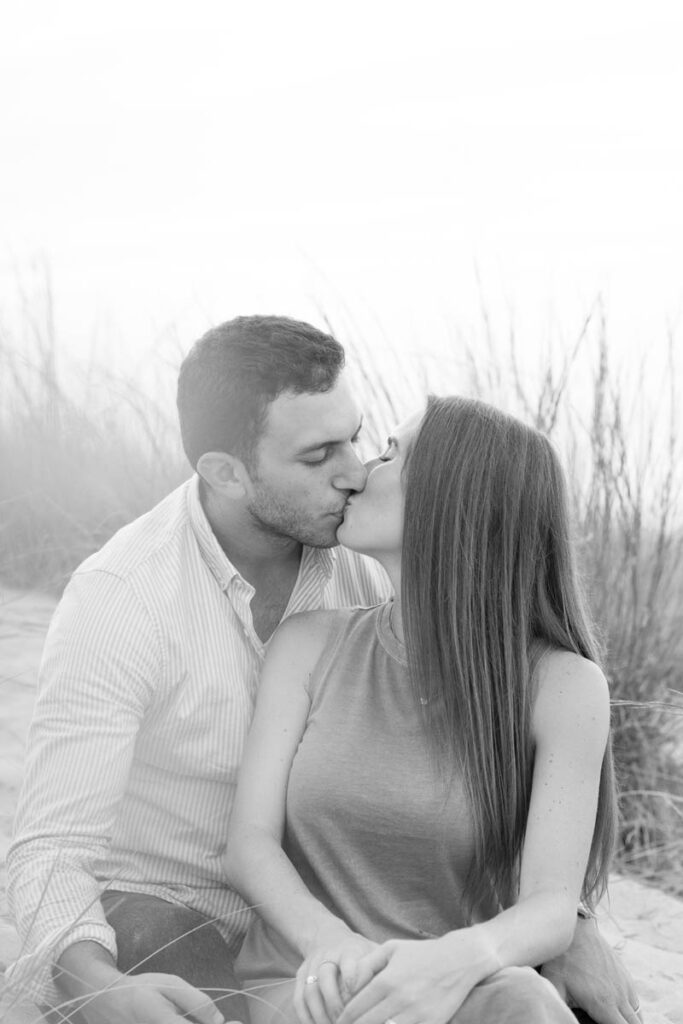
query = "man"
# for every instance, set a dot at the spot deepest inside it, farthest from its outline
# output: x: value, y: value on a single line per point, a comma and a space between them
x: 147, y: 687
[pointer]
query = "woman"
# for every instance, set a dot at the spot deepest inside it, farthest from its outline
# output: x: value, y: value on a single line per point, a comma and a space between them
x: 427, y: 787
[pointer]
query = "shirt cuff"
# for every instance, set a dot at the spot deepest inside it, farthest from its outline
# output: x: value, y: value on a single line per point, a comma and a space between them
x: 29, y: 978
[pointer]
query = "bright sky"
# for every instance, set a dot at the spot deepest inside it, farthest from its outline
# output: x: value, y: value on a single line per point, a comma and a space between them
x: 183, y: 163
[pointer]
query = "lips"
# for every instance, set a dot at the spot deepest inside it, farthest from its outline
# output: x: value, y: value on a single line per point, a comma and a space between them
x: 340, y: 513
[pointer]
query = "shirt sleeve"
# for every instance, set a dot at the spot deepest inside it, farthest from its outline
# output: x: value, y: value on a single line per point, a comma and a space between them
x: 100, y: 666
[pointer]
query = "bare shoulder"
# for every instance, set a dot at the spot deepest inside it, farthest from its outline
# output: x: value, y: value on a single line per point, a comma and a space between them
x: 302, y: 638
x: 563, y: 670
x: 309, y: 627
x: 571, y: 690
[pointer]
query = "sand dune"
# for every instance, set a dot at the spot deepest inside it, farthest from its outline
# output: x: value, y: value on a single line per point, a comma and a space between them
x: 645, y: 925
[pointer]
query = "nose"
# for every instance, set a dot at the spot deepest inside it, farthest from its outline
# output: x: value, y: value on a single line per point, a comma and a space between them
x: 352, y: 475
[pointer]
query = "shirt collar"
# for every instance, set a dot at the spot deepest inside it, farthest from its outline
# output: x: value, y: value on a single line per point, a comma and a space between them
x: 216, y: 559
x: 320, y: 561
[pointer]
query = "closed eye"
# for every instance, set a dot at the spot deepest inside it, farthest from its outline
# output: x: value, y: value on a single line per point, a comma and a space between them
x: 317, y: 458
x: 390, y: 450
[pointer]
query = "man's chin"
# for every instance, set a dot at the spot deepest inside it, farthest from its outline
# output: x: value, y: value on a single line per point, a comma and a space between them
x: 327, y: 536
x: 320, y: 532
x: 319, y: 539
x: 328, y: 541
x: 334, y: 543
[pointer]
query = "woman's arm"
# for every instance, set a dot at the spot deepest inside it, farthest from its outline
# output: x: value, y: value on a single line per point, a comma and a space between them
x: 256, y: 864
x: 570, y: 729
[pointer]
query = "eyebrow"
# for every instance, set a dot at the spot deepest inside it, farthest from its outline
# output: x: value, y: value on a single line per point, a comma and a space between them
x: 325, y: 444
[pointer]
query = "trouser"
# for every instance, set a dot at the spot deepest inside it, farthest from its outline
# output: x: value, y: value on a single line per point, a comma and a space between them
x: 516, y: 995
x: 155, y: 936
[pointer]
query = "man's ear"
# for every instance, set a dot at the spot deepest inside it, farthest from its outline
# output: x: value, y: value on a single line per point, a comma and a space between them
x: 224, y: 473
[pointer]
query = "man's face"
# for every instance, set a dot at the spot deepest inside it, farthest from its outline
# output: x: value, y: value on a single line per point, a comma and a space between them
x: 306, y: 465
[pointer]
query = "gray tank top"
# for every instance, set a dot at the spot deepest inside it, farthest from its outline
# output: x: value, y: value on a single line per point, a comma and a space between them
x: 376, y: 835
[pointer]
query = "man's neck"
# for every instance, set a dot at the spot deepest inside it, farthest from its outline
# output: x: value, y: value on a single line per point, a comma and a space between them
x: 255, y: 553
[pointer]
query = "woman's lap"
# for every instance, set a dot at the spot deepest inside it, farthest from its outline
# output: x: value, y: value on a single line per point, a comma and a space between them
x: 516, y: 995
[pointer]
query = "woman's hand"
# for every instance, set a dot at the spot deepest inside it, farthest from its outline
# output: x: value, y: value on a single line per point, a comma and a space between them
x: 423, y: 981
x: 332, y: 960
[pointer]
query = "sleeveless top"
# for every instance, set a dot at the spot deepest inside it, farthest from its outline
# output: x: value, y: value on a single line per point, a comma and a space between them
x: 375, y: 833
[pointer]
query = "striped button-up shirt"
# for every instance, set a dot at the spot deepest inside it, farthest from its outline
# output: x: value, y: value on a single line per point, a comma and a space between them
x: 146, y: 692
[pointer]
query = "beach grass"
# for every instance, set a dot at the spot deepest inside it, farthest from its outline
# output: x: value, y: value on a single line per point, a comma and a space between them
x: 84, y: 451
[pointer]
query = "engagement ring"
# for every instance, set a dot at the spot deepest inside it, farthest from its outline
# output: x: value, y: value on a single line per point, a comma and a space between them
x: 311, y: 979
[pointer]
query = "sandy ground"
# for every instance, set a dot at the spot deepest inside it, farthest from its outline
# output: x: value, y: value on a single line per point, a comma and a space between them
x: 645, y: 925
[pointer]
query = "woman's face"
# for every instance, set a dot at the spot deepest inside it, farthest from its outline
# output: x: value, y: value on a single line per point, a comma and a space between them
x: 373, y: 520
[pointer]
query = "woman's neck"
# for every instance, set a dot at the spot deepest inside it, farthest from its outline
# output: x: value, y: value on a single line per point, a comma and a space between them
x: 392, y: 567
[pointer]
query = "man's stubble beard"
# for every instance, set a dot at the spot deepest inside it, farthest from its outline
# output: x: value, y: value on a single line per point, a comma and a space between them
x: 277, y: 519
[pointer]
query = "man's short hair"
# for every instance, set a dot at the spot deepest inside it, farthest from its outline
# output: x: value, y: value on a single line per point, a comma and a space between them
x: 237, y: 369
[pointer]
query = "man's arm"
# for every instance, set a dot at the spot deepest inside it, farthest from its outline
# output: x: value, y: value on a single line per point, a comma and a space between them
x: 103, y: 995
x: 100, y: 665
x: 590, y: 976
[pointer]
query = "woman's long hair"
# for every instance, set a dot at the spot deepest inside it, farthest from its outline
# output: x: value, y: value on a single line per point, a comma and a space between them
x: 488, y: 581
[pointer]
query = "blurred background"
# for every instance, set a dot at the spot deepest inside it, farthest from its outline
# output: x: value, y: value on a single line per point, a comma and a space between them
x: 483, y: 198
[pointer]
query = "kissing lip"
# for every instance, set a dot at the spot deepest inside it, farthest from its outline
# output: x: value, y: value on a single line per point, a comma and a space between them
x: 342, y: 514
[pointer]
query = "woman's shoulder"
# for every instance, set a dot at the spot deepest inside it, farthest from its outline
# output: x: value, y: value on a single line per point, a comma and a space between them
x: 569, y: 687
x: 325, y: 620
x: 558, y: 668
x: 306, y: 635
x: 302, y: 626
